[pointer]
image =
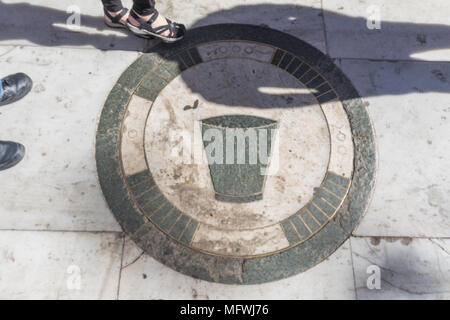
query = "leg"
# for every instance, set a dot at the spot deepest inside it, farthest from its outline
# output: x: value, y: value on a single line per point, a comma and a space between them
x: 112, y: 5
x: 143, y: 7
x: 112, y: 9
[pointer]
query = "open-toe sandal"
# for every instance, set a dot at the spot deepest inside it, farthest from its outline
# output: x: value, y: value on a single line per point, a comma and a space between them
x: 145, y: 29
x: 115, y: 21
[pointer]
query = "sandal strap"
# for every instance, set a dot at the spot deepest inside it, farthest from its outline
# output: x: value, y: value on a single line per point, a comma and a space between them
x: 172, y: 27
x: 161, y: 29
x: 169, y: 26
x: 143, y: 22
x: 175, y: 27
x: 147, y: 24
x: 117, y: 18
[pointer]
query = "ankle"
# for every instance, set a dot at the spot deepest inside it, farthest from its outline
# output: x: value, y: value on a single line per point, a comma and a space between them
x: 143, y: 13
x: 113, y: 8
x: 133, y: 21
x: 114, y: 13
x: 135, y: 16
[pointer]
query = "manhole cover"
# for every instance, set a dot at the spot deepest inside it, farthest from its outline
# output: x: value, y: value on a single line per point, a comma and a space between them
x: 240, y: 155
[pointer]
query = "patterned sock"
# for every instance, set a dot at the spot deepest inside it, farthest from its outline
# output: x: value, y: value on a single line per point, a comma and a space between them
x: 1, y: 88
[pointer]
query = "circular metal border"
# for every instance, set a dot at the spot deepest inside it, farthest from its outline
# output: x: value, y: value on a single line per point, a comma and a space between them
x: 232, y: 270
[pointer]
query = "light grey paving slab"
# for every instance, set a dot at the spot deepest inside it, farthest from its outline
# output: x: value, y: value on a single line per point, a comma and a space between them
x: 300, y: 18
x: 59, y: 265
x: 5, y: 49
x: 409, y: 29
x: 131, y: 254
x: 145, y: 278
x: 409, y: 107
x: 49, y: 23
x: 409, y: 268
x: 55, y: 187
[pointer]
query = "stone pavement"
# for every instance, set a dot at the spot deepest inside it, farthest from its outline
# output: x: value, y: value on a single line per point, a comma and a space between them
x: 59, y: 239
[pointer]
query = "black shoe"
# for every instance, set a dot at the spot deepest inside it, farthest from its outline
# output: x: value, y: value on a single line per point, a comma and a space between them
x: 15, y: 87
x: 10, y: 154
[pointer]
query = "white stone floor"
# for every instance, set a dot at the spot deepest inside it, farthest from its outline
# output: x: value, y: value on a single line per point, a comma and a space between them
x: 58, y: 240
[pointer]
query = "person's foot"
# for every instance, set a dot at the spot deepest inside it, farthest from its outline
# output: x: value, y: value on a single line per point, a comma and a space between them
x: 14, y: 87
x: 159, y: 22
x: 10, y: 154
x: 155, y: 26
x: 117, y: 19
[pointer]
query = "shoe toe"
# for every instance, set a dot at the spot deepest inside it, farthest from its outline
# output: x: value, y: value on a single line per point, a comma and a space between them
x: 15, y: 87
x: 12, y: 153
x: 23, y: 83
x: 181, y: 30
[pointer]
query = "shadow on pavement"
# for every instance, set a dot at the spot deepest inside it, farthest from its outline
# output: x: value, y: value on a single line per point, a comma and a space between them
x: 50, y: 30
x: 46, y: 26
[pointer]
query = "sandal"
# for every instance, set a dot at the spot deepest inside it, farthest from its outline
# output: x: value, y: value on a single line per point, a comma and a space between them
x: 115, y: 21
x: 145, y: 29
